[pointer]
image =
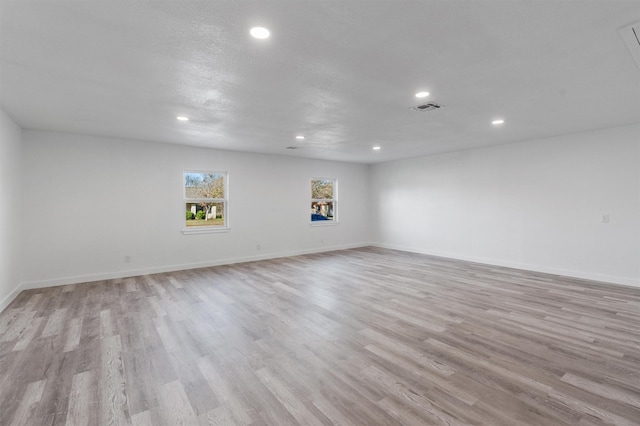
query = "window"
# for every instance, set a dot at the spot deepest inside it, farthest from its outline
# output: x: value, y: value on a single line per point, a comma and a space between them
x: 205, y: 198
x: 324, y: 200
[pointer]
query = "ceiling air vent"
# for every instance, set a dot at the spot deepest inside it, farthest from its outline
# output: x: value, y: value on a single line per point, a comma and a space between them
x: 631, y: 36
x: 292, y: 147
x: 430, y: 106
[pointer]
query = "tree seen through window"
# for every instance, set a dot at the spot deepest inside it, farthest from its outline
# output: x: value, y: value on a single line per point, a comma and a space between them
x: 323, y: 199
x: 205, y: 198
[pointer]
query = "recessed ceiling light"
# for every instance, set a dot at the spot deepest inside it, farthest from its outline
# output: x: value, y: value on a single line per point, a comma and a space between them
x: 496, y: 122
x: 422, y: 94
x: 182, y: 118
x: 259, y: 32
x: 300, y: 137
x: 376, y: 148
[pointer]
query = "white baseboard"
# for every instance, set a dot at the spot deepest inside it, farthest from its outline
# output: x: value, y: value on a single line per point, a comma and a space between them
x: 609, y: 279
x: 10, y: 297
x: 176, y: 267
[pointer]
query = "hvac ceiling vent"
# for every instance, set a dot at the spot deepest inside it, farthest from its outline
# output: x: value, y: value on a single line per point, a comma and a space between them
x: 631, y: 36
x: 430, y: 106
x: 292, y: 147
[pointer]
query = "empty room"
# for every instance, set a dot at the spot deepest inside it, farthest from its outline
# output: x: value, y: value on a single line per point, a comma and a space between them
x: 336, y: 212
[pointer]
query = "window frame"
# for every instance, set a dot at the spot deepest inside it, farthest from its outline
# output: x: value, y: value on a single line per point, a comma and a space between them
x: 211, y: 229
x: 333, y: 200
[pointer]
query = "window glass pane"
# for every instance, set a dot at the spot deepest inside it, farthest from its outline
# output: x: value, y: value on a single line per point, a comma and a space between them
x: 322, y: 210
x: 321, y: 189
x: 204, y: 185
x: 204, y: 214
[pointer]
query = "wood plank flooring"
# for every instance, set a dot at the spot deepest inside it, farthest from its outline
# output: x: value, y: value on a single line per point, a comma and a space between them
x: 356, y: 337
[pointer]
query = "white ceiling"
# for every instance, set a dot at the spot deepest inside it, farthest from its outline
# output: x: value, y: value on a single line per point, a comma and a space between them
x: 343, y: 73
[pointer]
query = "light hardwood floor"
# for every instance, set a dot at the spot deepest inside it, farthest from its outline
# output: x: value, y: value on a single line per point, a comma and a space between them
x: 356, y: 337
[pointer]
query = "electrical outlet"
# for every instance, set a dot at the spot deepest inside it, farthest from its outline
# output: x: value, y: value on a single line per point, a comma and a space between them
x: 321, y: 240
x: 127, y: 259
x: 605, y: 218
x: 258, y: 246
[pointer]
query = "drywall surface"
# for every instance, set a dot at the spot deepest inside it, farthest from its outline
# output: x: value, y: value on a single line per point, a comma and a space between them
x: 568, y: 205
x: 91, y: 201
x: 10, y: 202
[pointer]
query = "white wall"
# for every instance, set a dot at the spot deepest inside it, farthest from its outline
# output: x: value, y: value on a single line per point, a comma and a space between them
x: 535, y: 205
x: 10, y: 202
x: 90, y: 201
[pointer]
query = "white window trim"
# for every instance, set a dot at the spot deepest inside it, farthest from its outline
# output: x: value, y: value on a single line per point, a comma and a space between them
x: 205, y: 230
x: 208, y: 229
x: 321, y: 223
x: 334, y: 200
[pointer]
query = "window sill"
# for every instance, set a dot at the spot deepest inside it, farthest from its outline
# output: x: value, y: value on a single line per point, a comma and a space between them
x: 324, y: 223
x: 205, y: 230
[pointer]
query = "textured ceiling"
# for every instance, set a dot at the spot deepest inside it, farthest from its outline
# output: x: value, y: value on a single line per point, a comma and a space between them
x: 343, y: 73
